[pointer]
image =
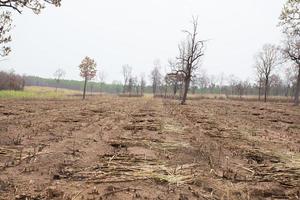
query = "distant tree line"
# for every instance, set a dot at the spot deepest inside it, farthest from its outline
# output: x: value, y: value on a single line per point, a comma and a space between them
x: 11, y: 81
x: 163, y: 85
x: 171, y: 85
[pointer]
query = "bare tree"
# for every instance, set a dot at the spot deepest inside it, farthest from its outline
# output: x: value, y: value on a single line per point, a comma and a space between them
x: 265, y: 63
x: 203, y: 79
x: 233, y: 82
x: 290, y: 23
x: 130, y: 85
x: 156, y: 77
x: 127, y: 73
x: 87, y: 71
x: 240, y: 88
x: 221, y: 78
x: 291, y: 52
x: 6, y: 17
x: 259, y: 81
x: 136, y: 84
x: 142, y: 84
x: 246, y: 86
x: 190, y: 52
x: 290, y: 80
x: 276, y: 84
x: 58, y: 75
x: 173, y: 78
x: 101, y: 77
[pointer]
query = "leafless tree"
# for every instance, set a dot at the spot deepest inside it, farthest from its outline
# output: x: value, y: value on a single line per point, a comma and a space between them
x: 156, y: 77
x: 136, y: 85
x: 291, y: 52
x: 190, y: 53
x: 58, y: 75
x: 259, y: 81
x: 127, y: 74
x: 87, y: 71
x: 6, y: 17
x: 247, y: 86
x: 232, y: 81
x: 290, y: 80
x: 290, y: 23
x: 203, y: 79
x: 130, y: 85
x: 174, y: 79
x: 265, y: 63
x: 221, y: 78
x: 101, y: 77
x: 276, y: 84
x: 240, y: 88
x: 142, y: 84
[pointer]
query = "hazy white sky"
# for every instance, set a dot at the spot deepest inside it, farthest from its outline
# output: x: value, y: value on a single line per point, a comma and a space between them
x: 136, y: 32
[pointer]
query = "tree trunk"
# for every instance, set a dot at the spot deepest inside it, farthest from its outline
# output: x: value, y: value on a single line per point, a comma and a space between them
x: 186, y: 89
x: 174, y: 89
x: 84, y: 88
x: 154, y: 89
x: 287, y: 91
x: 297, y: 88
x: 266, y: 88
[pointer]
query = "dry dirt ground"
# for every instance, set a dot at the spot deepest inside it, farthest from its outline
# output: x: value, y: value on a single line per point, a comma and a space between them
x: 144, y: 148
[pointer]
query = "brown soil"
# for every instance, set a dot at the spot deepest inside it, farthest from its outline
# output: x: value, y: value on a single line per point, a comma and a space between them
x: 143, y: 148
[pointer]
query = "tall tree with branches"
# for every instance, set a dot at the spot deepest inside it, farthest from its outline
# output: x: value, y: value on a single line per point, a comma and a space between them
x: 265, y: 62
x: 142, y: 84
x: 156, y: 77
x: 58, y: 75
x: 6, y: 17
x: 127, y: 74
x: 190, y: 53
x: 87, y: 71
x: 291, y: 52
x: 290, y: 24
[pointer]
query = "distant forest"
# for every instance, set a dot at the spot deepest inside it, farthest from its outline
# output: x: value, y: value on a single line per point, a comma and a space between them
x: 92, y: 86
x: 117, y: 87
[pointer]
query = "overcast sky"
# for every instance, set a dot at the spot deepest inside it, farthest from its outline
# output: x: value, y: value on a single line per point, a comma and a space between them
x: 136, y: 32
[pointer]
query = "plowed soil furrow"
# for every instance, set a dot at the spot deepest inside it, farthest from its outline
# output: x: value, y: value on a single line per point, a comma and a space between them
x: 144, y: 148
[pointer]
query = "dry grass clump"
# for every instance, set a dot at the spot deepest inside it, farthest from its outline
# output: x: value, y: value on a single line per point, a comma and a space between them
x: 126, y: 168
